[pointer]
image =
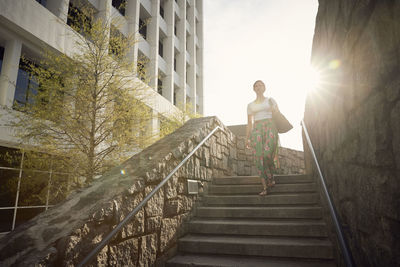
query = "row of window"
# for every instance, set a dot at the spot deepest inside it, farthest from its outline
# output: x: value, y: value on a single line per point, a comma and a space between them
x: 30, y: 182
x: 120, y: 5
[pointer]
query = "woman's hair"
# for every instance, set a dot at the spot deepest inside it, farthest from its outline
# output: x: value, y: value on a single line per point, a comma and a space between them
x: 258, y: 81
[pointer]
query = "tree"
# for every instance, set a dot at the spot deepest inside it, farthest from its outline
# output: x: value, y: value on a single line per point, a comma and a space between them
x: 87, y: 107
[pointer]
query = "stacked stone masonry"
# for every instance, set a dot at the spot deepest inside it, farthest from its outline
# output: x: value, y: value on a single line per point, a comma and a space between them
x: 291, y: 161
x: 354, y: 122
x: 65, y: 234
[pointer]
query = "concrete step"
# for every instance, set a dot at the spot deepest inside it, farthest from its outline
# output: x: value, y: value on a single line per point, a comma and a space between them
x: 310, y: 228
x: 314, y: 248
x: 295, y: 212
x: 282, y: 199
x: 255, y: 189
x: 211, y: 260
x: 280, y: 179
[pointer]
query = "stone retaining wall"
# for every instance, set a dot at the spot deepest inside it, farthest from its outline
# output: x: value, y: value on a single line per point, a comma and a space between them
x: 66, y: 233
x: 354, y: 122
x: 291, y: 161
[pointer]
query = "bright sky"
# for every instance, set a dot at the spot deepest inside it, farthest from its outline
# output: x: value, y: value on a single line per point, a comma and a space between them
x: 249, y: 40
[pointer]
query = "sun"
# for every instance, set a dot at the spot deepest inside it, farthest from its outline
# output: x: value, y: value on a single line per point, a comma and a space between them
x: 311, y: 79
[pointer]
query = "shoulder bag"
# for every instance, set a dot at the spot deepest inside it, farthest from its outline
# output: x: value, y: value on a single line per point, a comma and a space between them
x: 282, y: 124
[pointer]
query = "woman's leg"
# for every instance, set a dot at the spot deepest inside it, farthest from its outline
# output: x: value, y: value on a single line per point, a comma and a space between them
x: 258, y: 154
x: 270, y: 152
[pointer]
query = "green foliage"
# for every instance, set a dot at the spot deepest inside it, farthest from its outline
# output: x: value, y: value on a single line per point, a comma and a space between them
x: 176, y: 120
x: 89, y: 105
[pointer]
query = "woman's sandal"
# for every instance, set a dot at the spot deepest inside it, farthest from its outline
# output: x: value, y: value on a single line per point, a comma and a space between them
x: 263, y: 193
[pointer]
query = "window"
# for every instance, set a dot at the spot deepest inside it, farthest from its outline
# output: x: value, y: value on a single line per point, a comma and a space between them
x: 159, y: 86
x: 117, y: 40
x: 43, y: 183
x: 160, y: 48
x: 120, y: 5
x: 42, y: 2
x: 78, y: 20
x: 174, y: 97
x: 175, y: 63
x: 142, y: 28
x: 161, y: 11
x: 141, y: 68
x: 1, y: 57
x: 27, y: 85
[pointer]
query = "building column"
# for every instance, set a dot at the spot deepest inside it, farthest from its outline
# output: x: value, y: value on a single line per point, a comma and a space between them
x: 9, y: 72
x: 168, y: 84
x: 59, y: 8
x: 154, y: 125
x: 132, y: 16
x: 153, y: 37
x: 104, y: 15
x: 199, y: 58
x: 181, y: 57
x: 191, y: 47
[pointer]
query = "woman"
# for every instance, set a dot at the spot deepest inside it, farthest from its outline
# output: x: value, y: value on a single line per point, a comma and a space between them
x: 262, y: 135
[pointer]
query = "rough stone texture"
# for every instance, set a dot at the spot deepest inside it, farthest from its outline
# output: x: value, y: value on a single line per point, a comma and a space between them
x: 354, y: 122
x: 65, y: 234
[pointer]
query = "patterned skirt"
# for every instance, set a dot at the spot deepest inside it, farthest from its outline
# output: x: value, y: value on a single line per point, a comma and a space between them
x: 264, y: 142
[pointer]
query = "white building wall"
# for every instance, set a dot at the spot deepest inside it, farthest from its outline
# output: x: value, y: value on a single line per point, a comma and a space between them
x: 27, y: 25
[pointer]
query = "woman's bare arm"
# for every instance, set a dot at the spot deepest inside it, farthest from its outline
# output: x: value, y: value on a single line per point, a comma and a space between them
x: 249, y: 128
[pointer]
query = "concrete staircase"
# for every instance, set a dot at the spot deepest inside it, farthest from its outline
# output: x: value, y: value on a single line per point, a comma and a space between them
x: 236, y: 227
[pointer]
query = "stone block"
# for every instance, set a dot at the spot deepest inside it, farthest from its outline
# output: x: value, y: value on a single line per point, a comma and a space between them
x: 224, y: 163
x: 152, y: 224
x: 233, y: 152
x: 125, y: 253
x: 241, y: 156
x: 181, y: 186
x: 148, y: 250
x: 241, y: 144
x: 171, y: 186
x: 205, y: 157
x: 155, y: 205
x: 196, y: 168
x: 185, y: 204
x: 171, y: 208
x: 137, y: 187
x: 168, y: 235
x: 136, y: 225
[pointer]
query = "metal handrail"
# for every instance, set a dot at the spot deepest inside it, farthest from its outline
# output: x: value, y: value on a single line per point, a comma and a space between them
x: 107, y: 239
x: 342, y: 242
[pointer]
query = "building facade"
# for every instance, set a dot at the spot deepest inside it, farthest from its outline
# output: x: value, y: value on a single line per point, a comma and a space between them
x: 170, y: 39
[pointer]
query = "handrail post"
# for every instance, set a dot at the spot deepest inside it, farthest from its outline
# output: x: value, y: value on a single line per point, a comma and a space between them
x: 342, y: 241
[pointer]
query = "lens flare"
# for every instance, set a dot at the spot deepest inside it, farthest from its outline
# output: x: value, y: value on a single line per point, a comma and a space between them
x: 313, y: 79
x: 334, y: 64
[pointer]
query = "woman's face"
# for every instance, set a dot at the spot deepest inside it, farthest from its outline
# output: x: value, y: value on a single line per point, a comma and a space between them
x: 259, y: 88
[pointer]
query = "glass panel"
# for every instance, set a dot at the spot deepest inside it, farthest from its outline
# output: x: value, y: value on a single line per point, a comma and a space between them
x: 10, y: 157
x: 24, y: 215
x: 22, y: 87
x: 33, y: 89
x: 36, y: 161
x: 6, y: 219
x: 8, y: 187
x: 33, y: 190
x: 59, y: 188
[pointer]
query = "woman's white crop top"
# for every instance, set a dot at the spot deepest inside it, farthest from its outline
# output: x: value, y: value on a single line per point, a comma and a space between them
x: 260, y: 111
